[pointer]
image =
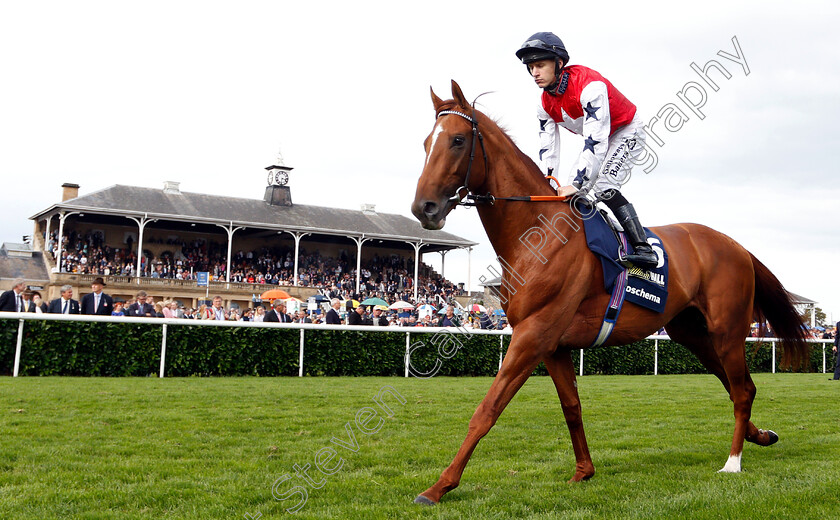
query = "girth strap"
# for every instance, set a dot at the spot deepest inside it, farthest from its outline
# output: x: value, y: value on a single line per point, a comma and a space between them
x: 616, y: 302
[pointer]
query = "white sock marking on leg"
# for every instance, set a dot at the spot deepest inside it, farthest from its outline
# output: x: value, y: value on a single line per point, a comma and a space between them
x: 733, y: 465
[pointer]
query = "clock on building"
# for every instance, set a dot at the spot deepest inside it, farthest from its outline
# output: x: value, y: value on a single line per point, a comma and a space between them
x: 278, y: 174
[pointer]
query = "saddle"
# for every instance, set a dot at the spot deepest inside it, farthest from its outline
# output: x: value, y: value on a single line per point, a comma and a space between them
x: 645, y: 287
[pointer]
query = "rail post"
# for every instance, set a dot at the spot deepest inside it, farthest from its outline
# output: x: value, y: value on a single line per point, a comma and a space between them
x: 18, y: 347
x: 581, y: 362
x: 300, y: 359
x: 656, y: 356
x: 407, y: 352
x: 162, y: 350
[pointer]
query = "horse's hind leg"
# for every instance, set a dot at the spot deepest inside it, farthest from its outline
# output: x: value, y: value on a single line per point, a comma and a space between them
x: 725, y: 358
x: 562, y: 372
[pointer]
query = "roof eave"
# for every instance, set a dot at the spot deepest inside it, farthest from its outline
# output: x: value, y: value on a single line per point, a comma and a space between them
x: 259, y: 225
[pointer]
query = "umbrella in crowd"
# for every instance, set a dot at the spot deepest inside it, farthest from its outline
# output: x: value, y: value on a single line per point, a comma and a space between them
x: 400, y: 305
x: 275, y: 294
x: 476, y: 308
x: 375, y: 301
x: 498, y: 312
x: 320, y: 298
x: 426, y: 308
x: 355, y: 303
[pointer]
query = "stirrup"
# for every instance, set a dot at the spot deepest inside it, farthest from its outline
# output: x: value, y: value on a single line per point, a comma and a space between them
x: 641, y: 258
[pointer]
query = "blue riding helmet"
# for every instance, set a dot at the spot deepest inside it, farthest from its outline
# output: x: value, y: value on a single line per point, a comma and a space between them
x: 542, y: 46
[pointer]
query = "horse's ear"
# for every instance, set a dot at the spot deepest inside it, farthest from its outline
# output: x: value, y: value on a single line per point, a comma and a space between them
x: 436, y: 101
x: 458, y: 96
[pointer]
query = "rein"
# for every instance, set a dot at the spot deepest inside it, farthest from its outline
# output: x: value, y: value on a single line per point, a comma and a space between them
x: 471, y: 199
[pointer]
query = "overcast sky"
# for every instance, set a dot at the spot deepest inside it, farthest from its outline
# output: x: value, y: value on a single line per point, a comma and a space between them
x: 206, y: 93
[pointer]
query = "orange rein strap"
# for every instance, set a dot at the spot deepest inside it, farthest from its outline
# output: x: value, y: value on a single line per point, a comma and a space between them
x: 535, y: 198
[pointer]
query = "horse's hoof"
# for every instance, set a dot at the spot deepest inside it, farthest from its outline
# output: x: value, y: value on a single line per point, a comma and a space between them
x: 773, y: 437
x: 425, y: 501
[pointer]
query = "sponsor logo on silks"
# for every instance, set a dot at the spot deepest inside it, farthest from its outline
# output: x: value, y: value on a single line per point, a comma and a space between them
x: 648, y: 276
x: 616, y: 161
x: 641, y: 293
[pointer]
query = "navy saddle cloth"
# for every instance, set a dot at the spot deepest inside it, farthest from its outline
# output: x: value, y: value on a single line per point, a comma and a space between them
x: 648, y: 288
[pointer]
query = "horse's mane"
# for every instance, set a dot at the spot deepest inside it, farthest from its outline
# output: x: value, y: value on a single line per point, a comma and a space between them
x: 484, y: 120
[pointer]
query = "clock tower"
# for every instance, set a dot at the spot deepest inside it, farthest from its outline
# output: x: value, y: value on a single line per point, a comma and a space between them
x: 277, y: 192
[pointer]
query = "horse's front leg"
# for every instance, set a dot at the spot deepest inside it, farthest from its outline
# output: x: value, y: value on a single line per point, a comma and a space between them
x: 522, y: 357
x: 562, y: 372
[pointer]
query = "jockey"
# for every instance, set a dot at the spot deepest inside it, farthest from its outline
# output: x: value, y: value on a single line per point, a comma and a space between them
x: 582, y: 101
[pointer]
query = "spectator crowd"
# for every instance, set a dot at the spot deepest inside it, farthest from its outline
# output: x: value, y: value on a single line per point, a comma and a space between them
x: 388, y: 277
x: 22, y: 299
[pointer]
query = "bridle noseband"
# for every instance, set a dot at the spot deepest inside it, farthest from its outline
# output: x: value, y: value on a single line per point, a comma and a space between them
x: 469, y: 199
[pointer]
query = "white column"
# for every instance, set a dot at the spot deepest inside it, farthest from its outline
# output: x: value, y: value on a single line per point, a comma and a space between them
x: 61, y: 218
x: 47, y: 235
x: 60, y: 240
x: 359, y: 241
x: 298, y: 236
x: 469, y: 270
x: 230, y: 231
x: 442, y: 261
x: 417, y: 246
x: 141, y: 224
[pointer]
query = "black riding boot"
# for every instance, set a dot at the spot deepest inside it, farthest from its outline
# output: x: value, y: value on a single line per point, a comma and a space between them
x: 644, y: 255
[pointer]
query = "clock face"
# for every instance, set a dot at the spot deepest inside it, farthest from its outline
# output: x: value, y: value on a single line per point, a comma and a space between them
x: 281, y: 178
x: 270, y: 178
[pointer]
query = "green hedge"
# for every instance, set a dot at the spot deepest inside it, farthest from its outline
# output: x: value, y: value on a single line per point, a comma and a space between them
x: 126, y: 349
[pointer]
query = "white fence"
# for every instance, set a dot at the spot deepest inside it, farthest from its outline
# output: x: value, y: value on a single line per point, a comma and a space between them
x: 165, y: 323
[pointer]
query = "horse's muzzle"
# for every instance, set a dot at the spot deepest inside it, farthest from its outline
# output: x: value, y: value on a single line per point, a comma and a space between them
x: 431, y: 214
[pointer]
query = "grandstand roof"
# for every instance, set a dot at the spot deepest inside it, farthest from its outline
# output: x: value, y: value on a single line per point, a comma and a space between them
x: 20, y: 261
x: 120, y: 200
x: 800, y: 300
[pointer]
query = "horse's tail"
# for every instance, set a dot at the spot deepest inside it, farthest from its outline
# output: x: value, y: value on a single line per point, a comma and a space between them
x: 772, y: 302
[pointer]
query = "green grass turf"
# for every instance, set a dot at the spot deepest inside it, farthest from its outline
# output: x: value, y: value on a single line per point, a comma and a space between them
x: 207, y: 448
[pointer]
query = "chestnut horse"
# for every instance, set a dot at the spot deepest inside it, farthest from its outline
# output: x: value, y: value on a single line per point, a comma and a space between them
x: 555, y: 301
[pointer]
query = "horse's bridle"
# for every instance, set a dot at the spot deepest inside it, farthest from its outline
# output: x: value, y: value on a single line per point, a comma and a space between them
x: 469, y: 199
x: 473, y: 200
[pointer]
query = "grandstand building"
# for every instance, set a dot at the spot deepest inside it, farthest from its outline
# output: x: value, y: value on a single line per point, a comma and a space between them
x: 131, y: 219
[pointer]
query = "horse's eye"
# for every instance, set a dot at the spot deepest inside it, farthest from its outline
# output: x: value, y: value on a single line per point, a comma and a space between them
x: 458, y: 140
